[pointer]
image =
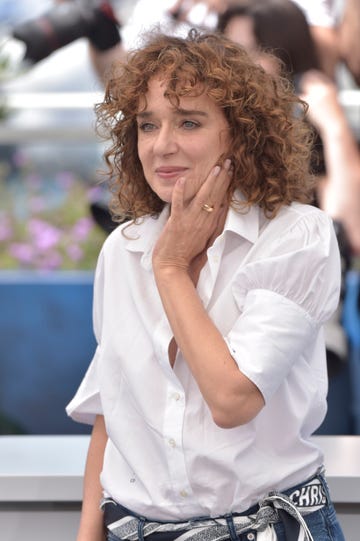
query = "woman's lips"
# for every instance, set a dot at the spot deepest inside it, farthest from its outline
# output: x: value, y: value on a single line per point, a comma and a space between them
x: 169, y: 172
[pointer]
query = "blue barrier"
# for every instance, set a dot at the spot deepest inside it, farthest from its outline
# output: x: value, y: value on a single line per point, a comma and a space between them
x: 351, y: 320
x: 46, y: 343
x: 343, y: 415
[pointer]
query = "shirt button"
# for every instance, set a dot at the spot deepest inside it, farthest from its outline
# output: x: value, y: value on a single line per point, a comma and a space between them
x: 216, y: 259
x: 183, y: 494
x: 250, y: 536
x: 176, y: 396
x: 172, y: 442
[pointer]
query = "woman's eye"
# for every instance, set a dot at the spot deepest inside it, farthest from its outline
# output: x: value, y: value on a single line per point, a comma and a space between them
x: 190, y: 124
x: 146, y: 126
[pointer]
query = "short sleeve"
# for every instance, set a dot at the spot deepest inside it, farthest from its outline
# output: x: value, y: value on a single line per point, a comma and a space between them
x: 301, y: 264
x: 284, y: 298
x: 86, y: 403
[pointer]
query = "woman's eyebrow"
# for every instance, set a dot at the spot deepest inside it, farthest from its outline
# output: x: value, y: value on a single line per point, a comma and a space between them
x: 185, y: 112
x: 178, y: 111
x: 144, y: 114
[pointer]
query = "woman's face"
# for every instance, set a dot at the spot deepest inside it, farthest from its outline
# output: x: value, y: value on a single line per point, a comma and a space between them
x: 183, y: 141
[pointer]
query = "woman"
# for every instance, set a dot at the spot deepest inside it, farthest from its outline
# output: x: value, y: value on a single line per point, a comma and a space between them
x: 210, y: 373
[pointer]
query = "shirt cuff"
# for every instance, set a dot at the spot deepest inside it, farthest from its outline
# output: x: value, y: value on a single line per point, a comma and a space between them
x: 268, y: 338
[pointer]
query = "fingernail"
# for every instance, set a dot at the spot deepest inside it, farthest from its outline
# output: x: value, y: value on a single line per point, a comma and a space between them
x: 227, y: 164
x: 216, y: 171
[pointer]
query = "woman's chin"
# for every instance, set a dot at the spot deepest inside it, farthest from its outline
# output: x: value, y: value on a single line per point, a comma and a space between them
x: 165, y: 194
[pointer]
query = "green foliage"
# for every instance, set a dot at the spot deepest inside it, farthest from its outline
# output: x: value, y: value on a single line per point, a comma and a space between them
x: 45, y: 223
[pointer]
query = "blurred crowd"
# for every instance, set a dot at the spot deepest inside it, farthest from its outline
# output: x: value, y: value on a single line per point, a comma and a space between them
x: 311, y: 39
x: 314, y: 42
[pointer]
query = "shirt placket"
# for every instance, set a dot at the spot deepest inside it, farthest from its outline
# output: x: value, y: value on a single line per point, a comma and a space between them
x: 173, y: 418
x: 208, y: 275
x: 175, y: 399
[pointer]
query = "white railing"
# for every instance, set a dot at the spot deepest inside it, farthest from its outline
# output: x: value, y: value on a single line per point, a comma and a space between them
x: 39, y: 103
x: 12, y: 131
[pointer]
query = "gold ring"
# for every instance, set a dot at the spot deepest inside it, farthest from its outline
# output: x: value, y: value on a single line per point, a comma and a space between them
x: 207, y: 208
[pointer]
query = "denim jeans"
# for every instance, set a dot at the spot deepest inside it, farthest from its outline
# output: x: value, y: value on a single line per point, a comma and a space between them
x: 323, y: 524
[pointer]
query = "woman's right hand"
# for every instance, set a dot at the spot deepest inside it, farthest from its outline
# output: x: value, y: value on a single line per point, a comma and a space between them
x: 193, y: 226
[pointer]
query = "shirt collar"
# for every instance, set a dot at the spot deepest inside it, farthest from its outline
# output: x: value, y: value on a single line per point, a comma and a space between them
x: 244, y: 222
x: 141, y: 237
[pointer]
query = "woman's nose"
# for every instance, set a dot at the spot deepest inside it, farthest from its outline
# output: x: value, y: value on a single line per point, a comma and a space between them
x: 165, y: 141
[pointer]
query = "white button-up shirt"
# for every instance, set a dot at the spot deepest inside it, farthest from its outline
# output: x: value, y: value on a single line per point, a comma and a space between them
x: 268, y: 285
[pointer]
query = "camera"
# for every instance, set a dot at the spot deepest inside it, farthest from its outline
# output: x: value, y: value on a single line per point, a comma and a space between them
x: 64, y: 23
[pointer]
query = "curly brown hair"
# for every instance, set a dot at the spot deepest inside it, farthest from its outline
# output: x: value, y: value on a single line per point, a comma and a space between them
x: 270, y: 139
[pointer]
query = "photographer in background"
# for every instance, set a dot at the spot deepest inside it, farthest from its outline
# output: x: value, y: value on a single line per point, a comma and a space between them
x: 54, y: 25
x: 34, y: 39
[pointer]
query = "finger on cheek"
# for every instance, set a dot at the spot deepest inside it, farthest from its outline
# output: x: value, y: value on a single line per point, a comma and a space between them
x: 180, y: 183
x: 227, y: 164
x: 178, y: 195
x: 220, y: 188
x: 216, y: 170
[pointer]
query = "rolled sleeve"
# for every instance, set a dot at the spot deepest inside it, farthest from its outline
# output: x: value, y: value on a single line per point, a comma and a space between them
x: 284, y: 298
x: 268, y: 337
x: 86, y: 403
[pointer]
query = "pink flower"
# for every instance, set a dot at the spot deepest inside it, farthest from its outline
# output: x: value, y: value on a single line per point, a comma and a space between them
x: 24, y: 253
x: 6, y: 229
x: 65, y: 179
x: 74, y: 252
x: 45, y: 235
x: 82, y: 228
x: 94, y: 193
x: 49, y: 261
